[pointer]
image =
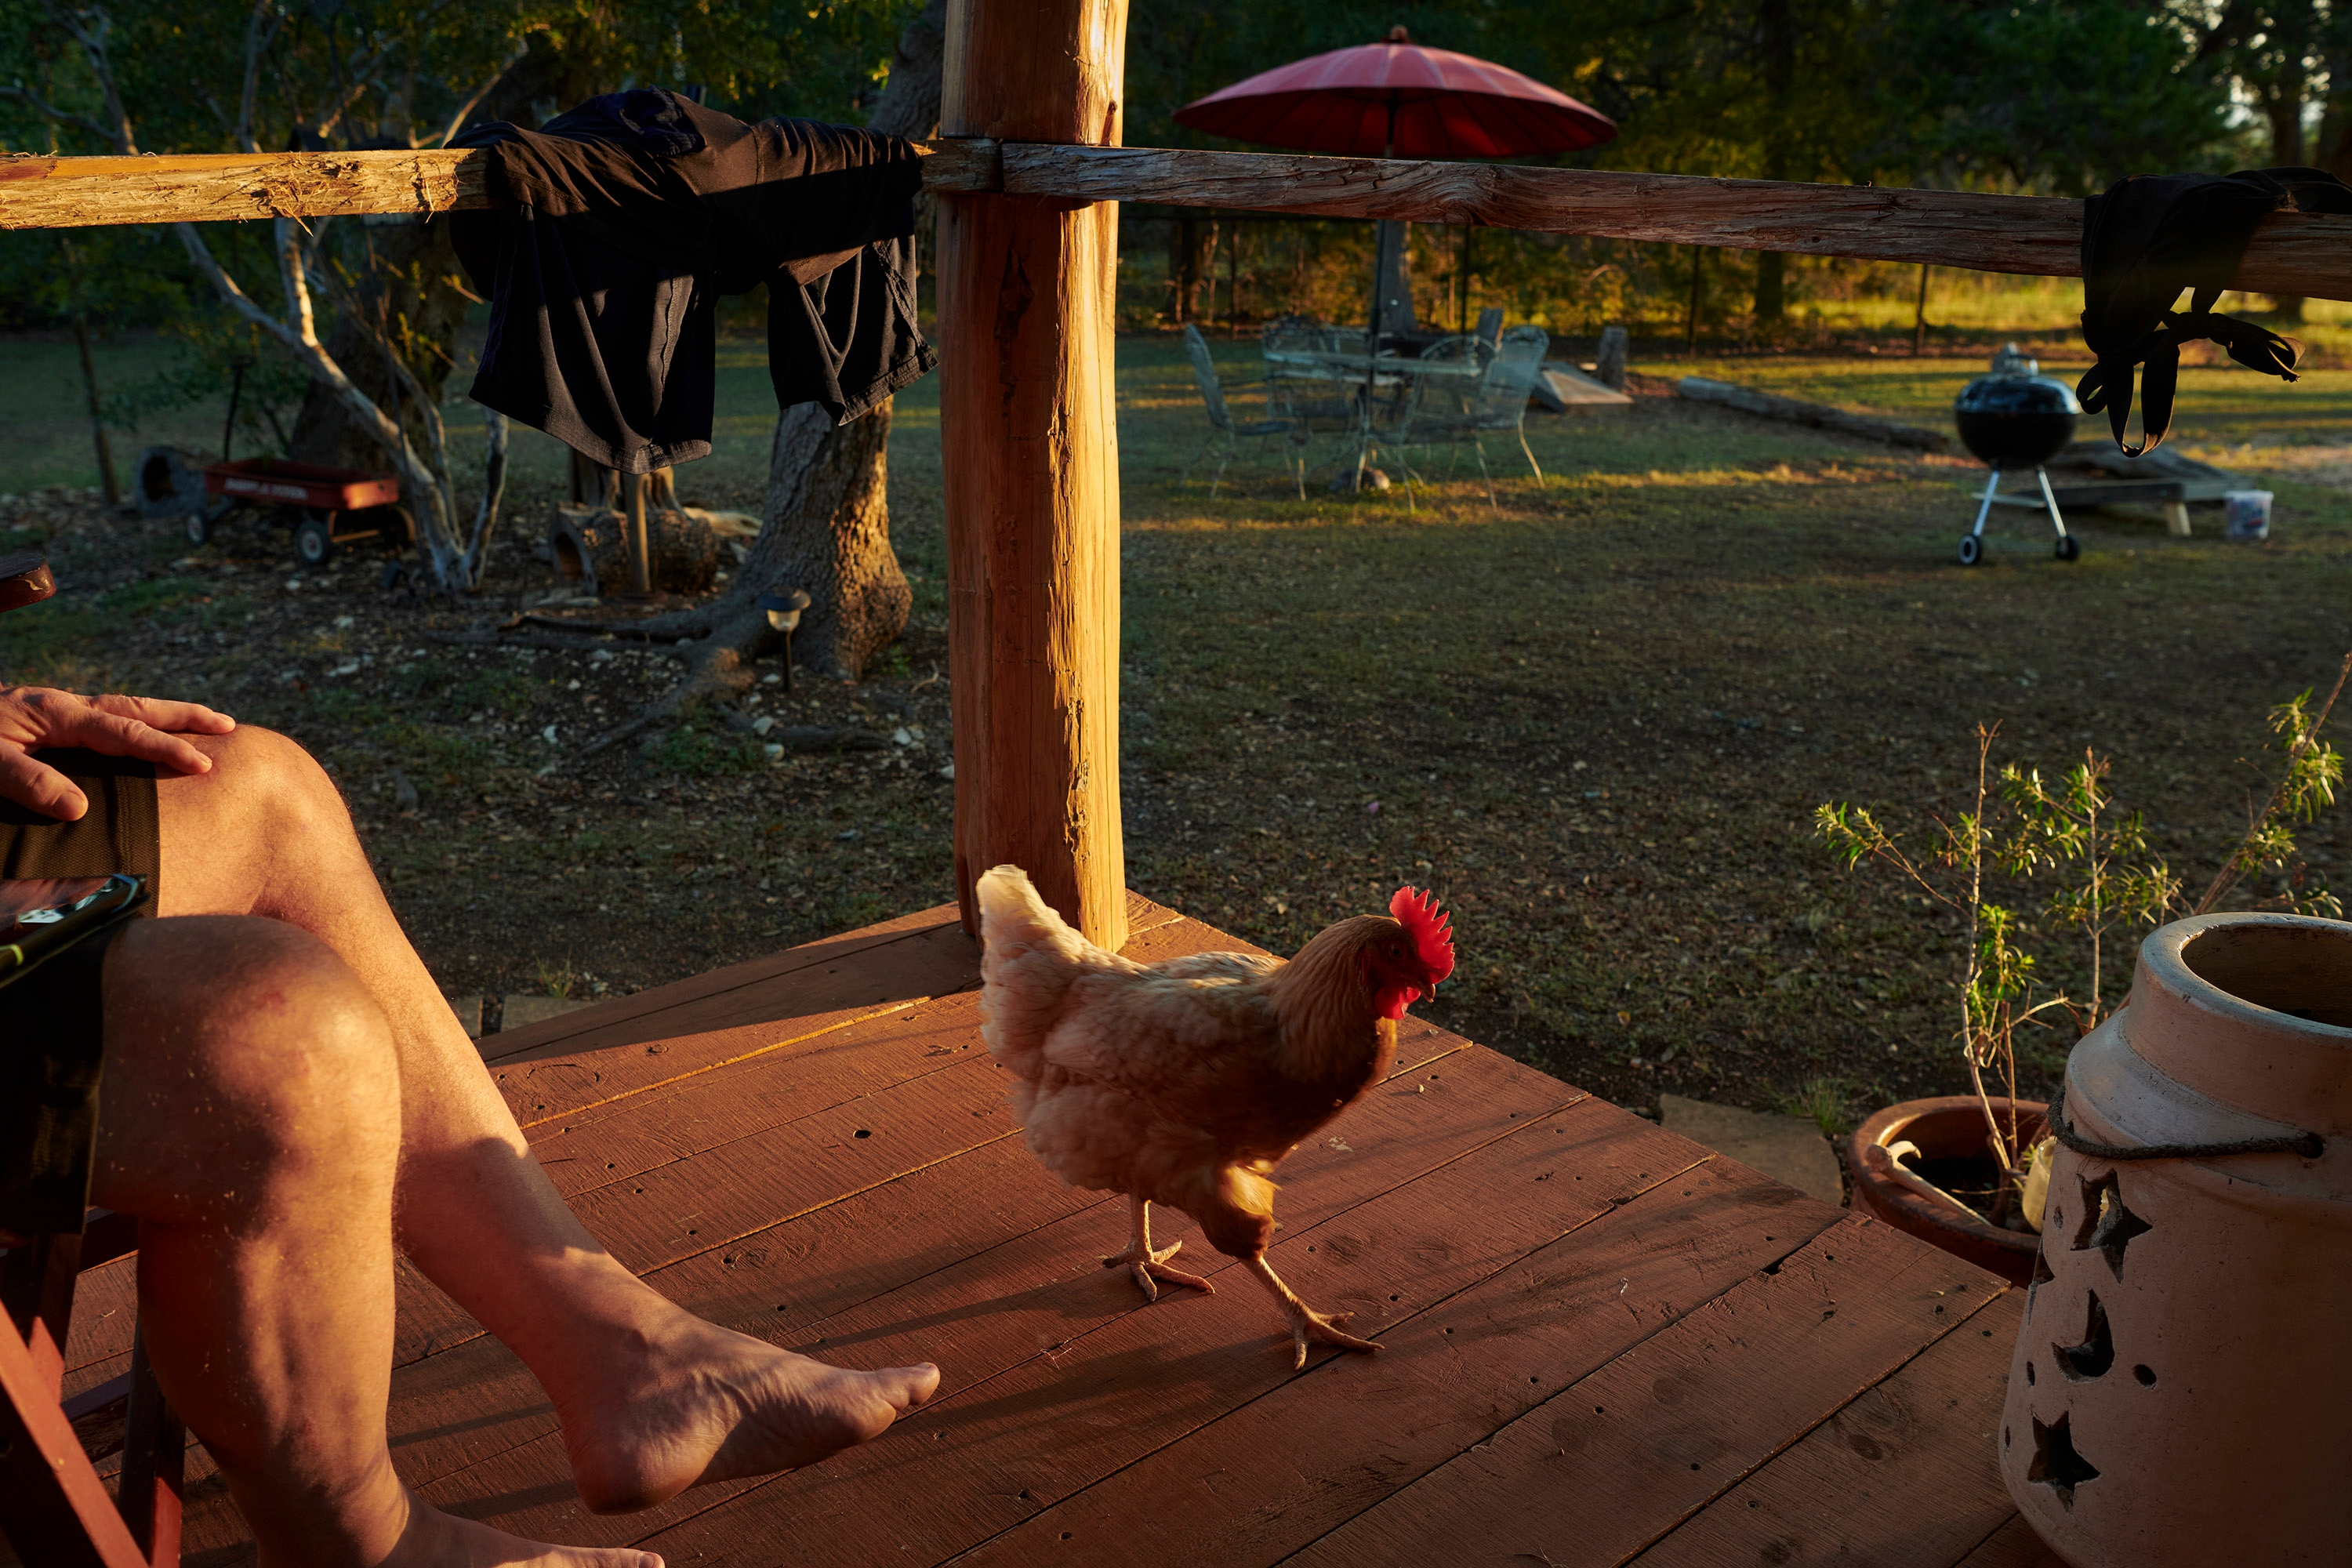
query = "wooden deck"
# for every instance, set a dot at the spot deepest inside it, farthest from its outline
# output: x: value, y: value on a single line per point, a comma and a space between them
x: 1604, y: 1342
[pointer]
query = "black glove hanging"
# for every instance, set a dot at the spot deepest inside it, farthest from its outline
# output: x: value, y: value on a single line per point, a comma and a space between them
x: 2147, y: 239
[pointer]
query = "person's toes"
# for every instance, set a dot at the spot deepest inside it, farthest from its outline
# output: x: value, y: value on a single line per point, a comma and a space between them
x: 907, y: 1387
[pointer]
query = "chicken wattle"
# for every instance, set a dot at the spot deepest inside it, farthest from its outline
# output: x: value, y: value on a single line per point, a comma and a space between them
x: 1186, y: 1082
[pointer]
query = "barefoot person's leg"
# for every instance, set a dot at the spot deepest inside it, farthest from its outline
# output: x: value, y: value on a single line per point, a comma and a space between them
x: 652, y: 1399
x: 251, y: 1122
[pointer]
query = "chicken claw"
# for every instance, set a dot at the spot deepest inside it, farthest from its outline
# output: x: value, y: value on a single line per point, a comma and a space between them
x: 1146, y: 1264
x: 1307, y: 1326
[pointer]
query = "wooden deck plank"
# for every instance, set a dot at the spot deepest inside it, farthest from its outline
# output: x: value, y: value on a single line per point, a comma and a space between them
x: 825, y: 1281
x: 427, y: 1321
x: 2013, y: 1545
x: 761, y: 989
x: 1015, y: 1300
x: 1107, y: 1395
x: 1177, y: 1431
x: 1597, y: 1474
x: 744, y: 1097
x: 1286, y: 1469
x: 839, y: 1062
x: 1903, y: 1476
x: 610, y: 1061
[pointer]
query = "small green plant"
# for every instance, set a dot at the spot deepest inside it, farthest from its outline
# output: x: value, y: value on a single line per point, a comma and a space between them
x: 2071, y: 831
x: 1995, y: 986
x: 557, y: 979
x: 1822, y: 1103
x: 2311, y: 772
x: 2094, y: 860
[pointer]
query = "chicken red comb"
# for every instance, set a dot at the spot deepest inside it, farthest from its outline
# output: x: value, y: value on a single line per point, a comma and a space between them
x: 1432, y: 937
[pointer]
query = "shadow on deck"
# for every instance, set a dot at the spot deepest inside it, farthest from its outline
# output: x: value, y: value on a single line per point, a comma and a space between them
x: 1603, y: 1342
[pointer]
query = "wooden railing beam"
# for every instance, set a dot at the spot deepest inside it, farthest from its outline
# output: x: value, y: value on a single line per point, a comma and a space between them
x: 2293, y: 252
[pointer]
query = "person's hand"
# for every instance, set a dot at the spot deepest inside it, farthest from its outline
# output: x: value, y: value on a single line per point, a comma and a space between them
x: 33, y: 717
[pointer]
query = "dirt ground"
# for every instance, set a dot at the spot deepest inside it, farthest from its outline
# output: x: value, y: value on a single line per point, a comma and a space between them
x: 1596, y: 717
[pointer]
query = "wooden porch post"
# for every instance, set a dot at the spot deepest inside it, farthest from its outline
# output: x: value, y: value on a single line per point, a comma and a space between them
x: 1025, y: 299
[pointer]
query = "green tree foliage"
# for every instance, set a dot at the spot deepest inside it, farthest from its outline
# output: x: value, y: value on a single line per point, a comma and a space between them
x: 2053, y: 99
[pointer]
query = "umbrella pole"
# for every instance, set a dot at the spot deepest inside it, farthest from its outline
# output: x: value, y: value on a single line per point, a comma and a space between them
x: 1372, y: 336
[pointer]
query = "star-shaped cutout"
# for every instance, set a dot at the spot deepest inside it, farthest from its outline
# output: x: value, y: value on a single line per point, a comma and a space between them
x: 2096, y: 1353
x: 2106, y: 1225
x: 2055, y: 1464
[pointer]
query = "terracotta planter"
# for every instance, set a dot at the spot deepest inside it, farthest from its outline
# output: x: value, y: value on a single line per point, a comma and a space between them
x: 1948, y: 1128
x: 2179, y: 1390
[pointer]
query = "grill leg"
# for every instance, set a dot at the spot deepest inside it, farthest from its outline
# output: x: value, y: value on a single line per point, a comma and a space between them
x: 2050, y: 500
x: 1984, y: 506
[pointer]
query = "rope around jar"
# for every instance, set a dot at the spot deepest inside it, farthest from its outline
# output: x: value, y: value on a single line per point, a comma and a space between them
x: 2310, y: 1145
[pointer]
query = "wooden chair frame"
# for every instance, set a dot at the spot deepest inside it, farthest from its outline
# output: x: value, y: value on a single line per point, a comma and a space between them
x: 54, y: 1508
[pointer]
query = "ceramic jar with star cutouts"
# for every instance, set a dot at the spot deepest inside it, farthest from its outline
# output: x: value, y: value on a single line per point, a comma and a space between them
x: 2181, y: 1390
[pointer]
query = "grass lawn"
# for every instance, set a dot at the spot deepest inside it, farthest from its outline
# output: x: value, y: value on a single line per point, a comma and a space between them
x: 1596, y: 718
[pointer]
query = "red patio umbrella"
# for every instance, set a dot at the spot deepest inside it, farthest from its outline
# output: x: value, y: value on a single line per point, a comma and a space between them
x: 1400, y: 99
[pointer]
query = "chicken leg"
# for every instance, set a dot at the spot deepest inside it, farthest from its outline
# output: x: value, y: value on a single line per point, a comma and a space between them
x: 1147, y: 1265
x: 1307, y: 1324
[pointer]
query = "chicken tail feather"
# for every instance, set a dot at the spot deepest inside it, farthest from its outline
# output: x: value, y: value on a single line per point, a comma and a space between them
x: 1032, y: 959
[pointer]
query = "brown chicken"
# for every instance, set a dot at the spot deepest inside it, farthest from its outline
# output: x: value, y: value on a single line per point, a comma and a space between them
x: 1185, y: 1082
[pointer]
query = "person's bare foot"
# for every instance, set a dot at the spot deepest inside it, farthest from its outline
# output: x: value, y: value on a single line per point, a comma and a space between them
x: 431, y: 1538
x: 708, y: 1404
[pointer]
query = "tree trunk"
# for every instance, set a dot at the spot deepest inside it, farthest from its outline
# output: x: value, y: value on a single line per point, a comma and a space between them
x: 417, y: 278
x: 1771, y: 286
x: 1184, y: 267
x: 103, y: 447
x: 2285, y: 111
x: 826, y: 528
x: 827, y: 531
x: 1776, y: 27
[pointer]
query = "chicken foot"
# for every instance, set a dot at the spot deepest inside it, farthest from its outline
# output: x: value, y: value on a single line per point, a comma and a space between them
x: 1144, y: 1264
x: 1307, y: 1324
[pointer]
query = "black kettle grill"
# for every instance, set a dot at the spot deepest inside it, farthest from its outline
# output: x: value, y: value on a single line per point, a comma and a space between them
x: 2016, y: 418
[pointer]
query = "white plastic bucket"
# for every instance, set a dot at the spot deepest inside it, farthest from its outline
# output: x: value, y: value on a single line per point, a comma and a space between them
x: 2248, y: 513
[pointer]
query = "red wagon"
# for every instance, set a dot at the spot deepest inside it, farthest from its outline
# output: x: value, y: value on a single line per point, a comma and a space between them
x: 338, y: 506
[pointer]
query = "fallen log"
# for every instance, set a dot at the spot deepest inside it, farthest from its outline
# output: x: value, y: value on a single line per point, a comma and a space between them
x: 591, y: 549
x: 1821, y: 416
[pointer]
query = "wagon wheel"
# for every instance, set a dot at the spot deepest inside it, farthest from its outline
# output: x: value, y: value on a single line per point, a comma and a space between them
x: 314, y: 537
x: 198, y: 523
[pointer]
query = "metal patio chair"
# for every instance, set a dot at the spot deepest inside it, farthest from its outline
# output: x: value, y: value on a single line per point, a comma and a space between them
x: 1495, y: 402
x: 1222, y: 425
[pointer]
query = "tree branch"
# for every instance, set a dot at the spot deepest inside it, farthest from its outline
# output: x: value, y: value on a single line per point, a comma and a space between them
x: 489, y: 84
x: 92, y: 41
x: 257, y: 39
x: 57, y: 116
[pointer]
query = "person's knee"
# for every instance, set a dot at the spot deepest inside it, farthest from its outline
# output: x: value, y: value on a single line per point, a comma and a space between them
x: 251, y: 1039
x: 269, y: 775
x: 250, y: 836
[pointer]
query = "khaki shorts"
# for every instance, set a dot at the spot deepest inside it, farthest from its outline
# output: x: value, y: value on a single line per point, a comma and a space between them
x: 52, y: 1020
